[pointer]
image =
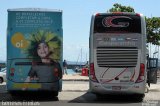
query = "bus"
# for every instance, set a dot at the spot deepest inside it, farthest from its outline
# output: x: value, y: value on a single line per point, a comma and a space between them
x: 117, y: 48
x: 34, y: 50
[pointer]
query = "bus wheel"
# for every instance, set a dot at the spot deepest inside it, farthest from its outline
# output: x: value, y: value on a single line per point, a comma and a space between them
x: 13, y: 93
x: 55, y: 93
x: 139, y: 97
x: 99, y: 96
x: 1, y: 80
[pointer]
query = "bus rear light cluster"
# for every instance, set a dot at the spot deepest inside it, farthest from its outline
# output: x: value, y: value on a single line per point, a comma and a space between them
x: 141, y: 74
x: 92, y: 73
x: 138, y: 14
x: 12, y: 70
x: 56, y: 72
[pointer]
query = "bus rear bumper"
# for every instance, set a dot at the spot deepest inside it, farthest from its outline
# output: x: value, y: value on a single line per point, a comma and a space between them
x: 136, y: 88
x: 12, y: 86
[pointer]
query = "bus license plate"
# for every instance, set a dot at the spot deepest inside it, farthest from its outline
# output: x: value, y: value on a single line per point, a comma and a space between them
x: 117, y: 88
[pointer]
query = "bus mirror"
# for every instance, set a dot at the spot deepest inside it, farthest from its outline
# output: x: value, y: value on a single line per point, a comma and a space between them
x: 152, y: 63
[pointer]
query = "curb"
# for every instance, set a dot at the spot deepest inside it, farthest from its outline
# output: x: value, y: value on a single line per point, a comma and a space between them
x: 75, y: 91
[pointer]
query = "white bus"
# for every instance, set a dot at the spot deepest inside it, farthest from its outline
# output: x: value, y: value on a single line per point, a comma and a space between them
x: 117, y: 54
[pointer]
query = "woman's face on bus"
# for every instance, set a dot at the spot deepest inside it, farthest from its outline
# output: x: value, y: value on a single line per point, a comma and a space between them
x: 43, y: 50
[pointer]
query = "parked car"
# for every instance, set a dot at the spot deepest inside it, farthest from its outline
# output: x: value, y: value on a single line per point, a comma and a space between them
x: 3, y: 75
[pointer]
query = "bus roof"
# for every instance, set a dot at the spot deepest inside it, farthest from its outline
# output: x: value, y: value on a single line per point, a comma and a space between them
x: 118, y: 13
x: 35, y: 9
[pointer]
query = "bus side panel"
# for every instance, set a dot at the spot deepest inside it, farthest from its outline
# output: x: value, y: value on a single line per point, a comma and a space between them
x: 26, y: 30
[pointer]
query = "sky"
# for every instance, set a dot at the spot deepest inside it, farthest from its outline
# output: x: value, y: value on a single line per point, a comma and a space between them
x: 76, y: 20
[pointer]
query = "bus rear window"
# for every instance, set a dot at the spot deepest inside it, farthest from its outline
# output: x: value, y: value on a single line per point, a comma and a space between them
x: 117, y: 24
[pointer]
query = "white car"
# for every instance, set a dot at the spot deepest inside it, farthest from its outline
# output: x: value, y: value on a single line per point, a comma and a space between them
x: 3, y: 75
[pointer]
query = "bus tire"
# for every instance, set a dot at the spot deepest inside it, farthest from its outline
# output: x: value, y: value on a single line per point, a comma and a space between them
x: 1, y: 80
x: 13, y: 93
x: 139, y: 97
x: 99, y: 96
x: 55, y: 93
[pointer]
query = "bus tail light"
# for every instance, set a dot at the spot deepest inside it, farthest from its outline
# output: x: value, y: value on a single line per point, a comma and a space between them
x: 92, y: 73
x: 137, y: 14
x: 12, y: 71
x: 141, y: 74
x: 55, y: 71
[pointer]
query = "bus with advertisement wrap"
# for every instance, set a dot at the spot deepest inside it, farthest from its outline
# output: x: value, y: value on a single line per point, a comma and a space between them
x: 118, y: 54
x: 34, y: 50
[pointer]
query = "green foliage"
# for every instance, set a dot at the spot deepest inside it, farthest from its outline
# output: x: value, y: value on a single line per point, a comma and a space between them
x: 153, y: 30
x: 119, y: 8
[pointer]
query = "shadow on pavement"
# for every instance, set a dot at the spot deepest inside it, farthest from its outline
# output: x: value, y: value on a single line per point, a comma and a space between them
x: 116, y: 99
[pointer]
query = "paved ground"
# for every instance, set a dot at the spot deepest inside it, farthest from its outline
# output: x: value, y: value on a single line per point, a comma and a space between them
x: 76, y: 86
x: 73, y: 86
x: 75, y: 77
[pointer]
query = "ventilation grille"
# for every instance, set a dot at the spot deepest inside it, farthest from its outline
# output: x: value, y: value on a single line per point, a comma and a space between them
x: 117, y: 57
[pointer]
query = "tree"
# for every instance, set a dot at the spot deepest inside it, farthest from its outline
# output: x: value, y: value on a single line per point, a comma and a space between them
x: 153, y: 30
x: 119, y: 8
x: 152, y: 24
